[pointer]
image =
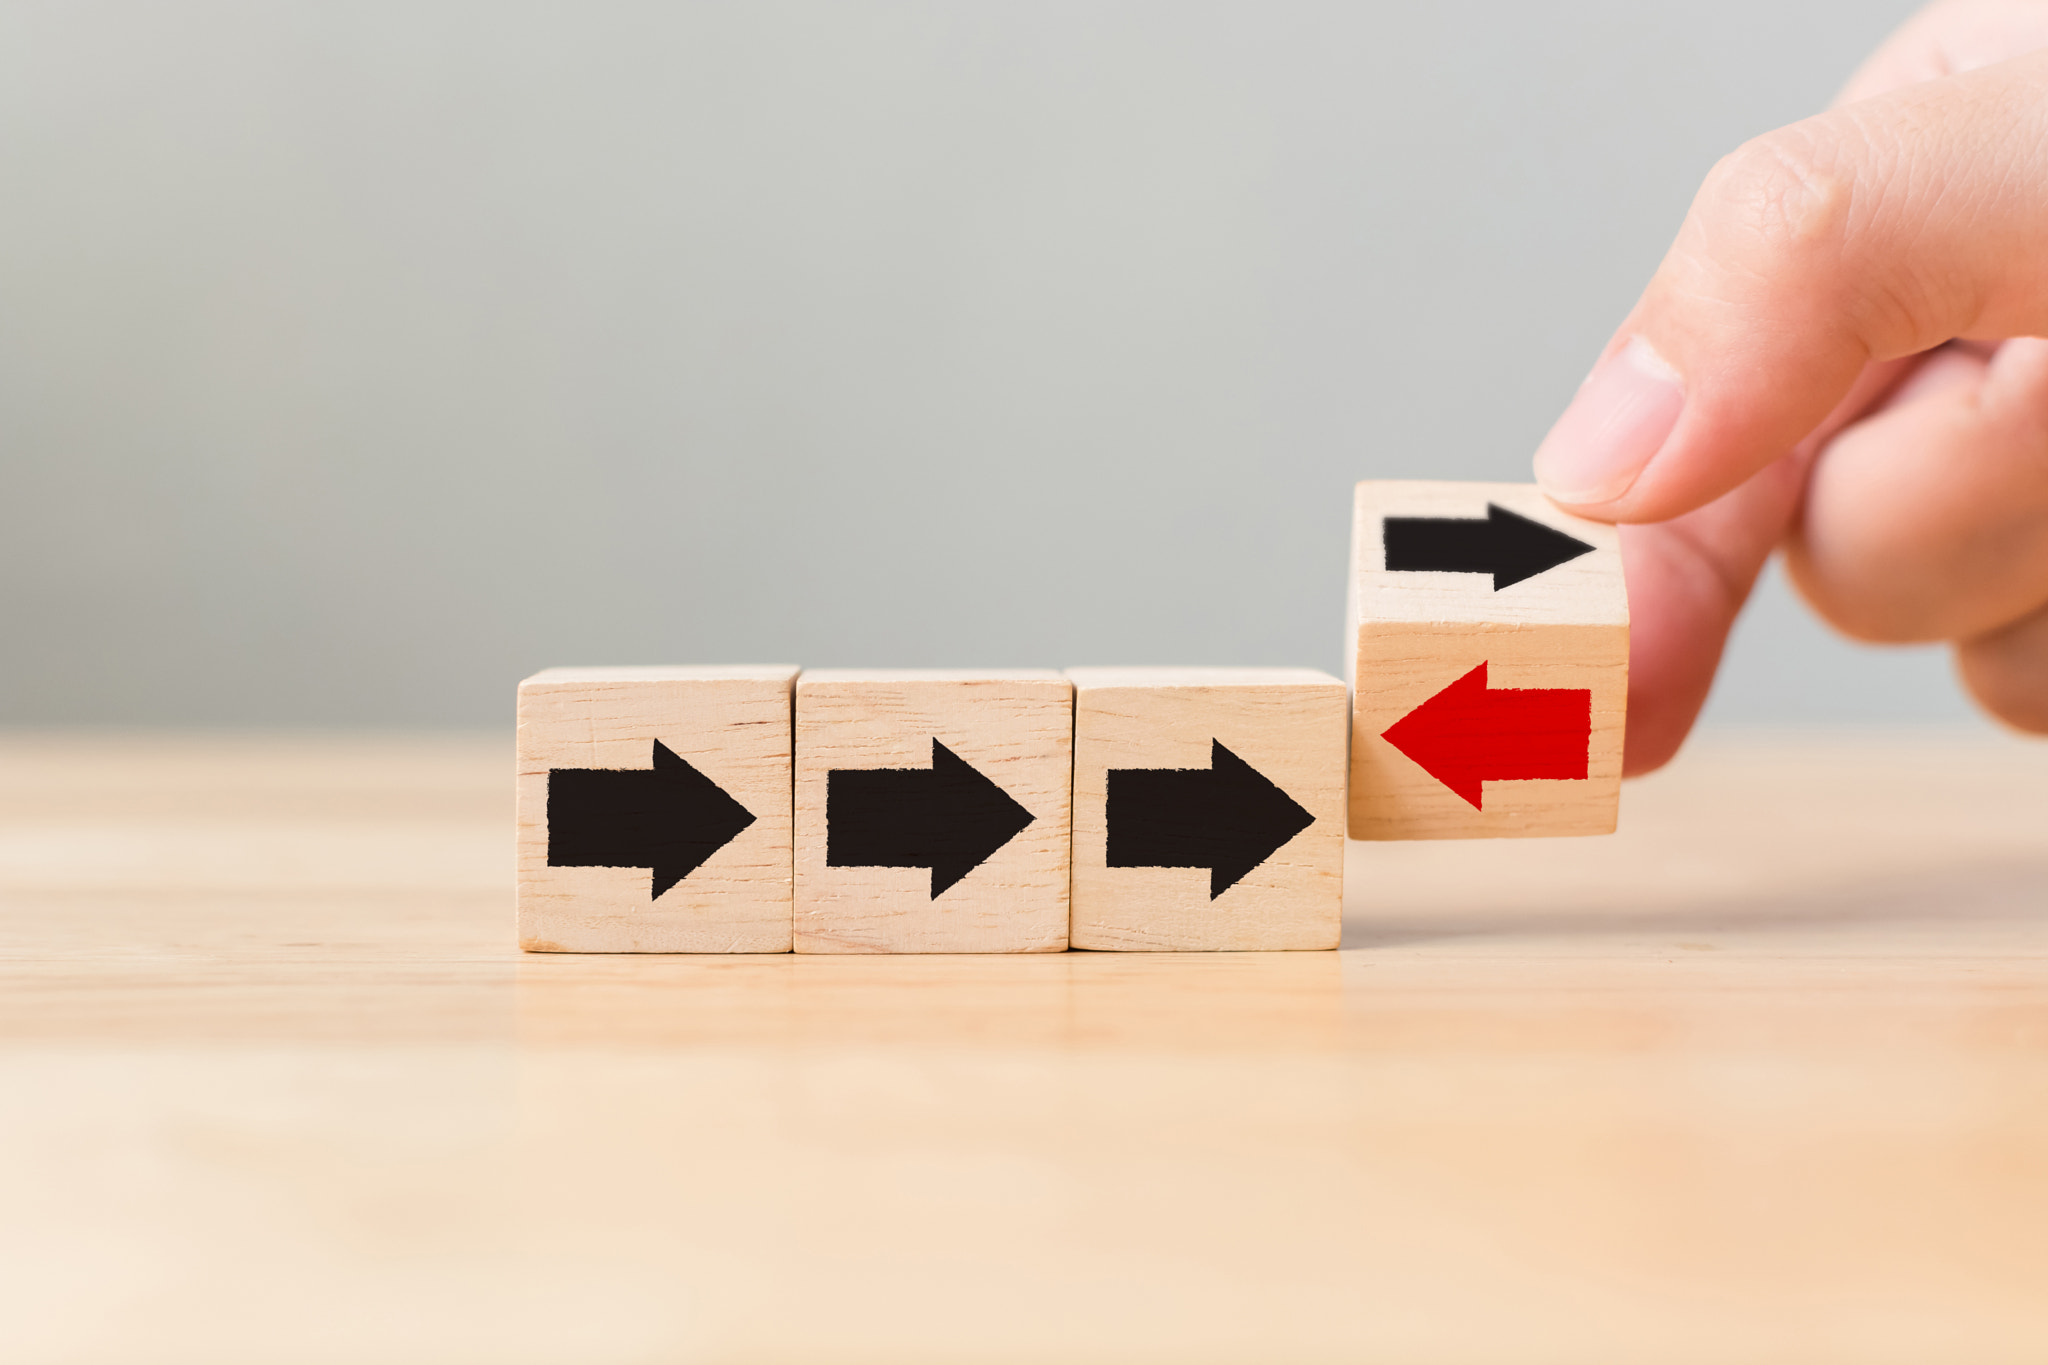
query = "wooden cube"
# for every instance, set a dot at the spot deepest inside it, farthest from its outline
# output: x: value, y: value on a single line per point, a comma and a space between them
x: 1488, y: 649
x: 1208, y: 808
x: 932, y: 811
x: 654, y: 810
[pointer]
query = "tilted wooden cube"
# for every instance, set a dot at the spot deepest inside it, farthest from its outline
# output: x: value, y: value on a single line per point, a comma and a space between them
x: 1489, y: 664
x: 1208, y: 808
x: 654, y: 810
x: 932, y: 811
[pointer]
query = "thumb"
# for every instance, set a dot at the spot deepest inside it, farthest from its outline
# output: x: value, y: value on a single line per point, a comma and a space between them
x: 1871, y: 232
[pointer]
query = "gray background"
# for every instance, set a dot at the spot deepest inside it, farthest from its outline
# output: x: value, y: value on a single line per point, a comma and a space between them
x: 357, y: 359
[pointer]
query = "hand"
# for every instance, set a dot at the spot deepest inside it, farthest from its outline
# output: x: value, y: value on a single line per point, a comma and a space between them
x: 1841, y: 356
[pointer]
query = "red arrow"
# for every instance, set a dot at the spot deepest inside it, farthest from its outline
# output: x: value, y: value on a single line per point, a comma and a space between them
x: 1465, y: 735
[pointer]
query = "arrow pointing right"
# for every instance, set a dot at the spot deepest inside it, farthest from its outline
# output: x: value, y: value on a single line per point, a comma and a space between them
x: 1228, y: 817
x: 668, y: 818
x: 1467, y: 735
x: 1506, y: 544
x: 948, y: 817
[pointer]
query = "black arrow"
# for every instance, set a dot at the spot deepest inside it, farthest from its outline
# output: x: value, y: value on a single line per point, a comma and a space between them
x: 1507, y: 545
x: 668, y: 818
x: 947, y: 817
x: 1227, y: 817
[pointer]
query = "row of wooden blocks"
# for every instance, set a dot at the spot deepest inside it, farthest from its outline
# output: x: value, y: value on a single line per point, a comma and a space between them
x: 765, y: 809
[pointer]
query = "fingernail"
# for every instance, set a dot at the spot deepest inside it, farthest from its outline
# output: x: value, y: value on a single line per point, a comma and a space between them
x: 1620, y: 417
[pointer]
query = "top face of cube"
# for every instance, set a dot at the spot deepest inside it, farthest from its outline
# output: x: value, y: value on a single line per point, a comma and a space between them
x: 1481, y: 553
x: 1143, y: 676
x: 825, y: 677
x: 659, y: 673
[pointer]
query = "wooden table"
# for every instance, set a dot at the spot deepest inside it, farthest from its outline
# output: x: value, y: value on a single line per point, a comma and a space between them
x: 1763, y: 1078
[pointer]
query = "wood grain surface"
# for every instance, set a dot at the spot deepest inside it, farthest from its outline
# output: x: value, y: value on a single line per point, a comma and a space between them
x: 1585, y: 591
x: 1016, y: 730
x: 1289, y: 725
x: 1764, y: 1077
x: 1395, y: 798
x: 732, y: 723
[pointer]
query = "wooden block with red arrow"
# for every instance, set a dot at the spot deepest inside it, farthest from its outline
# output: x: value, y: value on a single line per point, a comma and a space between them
x: 1489, y: 662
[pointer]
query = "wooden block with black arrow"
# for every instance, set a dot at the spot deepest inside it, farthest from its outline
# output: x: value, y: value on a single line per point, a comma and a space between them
x: 1208, y: 808
x: 1488, y: 653
x: 654, y: 810
x: 932, y: 811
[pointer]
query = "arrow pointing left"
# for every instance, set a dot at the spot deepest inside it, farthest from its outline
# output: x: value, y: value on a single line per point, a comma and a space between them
x: 668, y: 818
x: 1469, y: 734
x: 1228, y: 817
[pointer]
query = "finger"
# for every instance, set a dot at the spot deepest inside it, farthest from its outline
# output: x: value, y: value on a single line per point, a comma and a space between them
x: 1929, y: 519
x: 1688, y: 578
x: 2007, y: 672
x: 1948, y: 39
x: 1869, y: 233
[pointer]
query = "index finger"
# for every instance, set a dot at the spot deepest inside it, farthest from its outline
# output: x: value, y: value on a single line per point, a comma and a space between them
x: 1873, y: 232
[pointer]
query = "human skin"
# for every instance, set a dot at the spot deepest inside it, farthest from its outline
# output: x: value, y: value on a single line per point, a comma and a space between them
x: 1842, y: 357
